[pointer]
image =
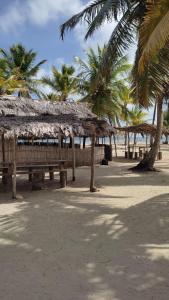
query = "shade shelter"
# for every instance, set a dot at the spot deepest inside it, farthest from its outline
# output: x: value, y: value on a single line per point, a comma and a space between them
x: 25, y: 122
x: 145, y: 130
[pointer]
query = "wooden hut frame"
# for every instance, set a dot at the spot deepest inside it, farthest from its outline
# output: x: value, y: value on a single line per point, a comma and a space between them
x: 144, y: 129
x: 22, y: 118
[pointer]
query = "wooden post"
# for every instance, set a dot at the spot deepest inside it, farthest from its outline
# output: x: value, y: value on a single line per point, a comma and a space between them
x: 63, y: 178
x: 14, y: 169
x: 51, y: 173
x: 128, y: 140
x: 92, y: 179
x: 5, y: 171
x: 84, y: 142
x: 3, y: 148
x: 73, y: 160
x: 114, y: 138
x: 60, y: 150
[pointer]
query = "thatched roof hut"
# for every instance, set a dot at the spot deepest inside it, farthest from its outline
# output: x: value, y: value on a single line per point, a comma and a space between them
x: 142, y: 129
x: 26, y: 118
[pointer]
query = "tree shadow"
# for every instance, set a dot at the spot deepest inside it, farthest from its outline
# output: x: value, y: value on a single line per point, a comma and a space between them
x: 66, y: 246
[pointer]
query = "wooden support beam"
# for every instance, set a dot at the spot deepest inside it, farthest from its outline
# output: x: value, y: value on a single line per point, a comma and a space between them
x: 84, y: 142
x: 51, y: 173
x: 73, y: 159
x: 5, y: 171
x: 14, y: 170
x: 63, y: 178
x: 92, y: 179
x: 115, y: 145
x: 60, y: 146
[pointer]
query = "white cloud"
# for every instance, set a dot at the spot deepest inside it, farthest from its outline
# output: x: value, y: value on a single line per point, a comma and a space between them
x: 100, y: 37
x: 42, y: 11
x: 42, y: 73
x: 12, y: 17
x: 39, y: 12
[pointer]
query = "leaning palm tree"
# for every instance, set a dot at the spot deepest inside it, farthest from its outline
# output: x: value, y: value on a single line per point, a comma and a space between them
x: 63, y: 83
x: 133, y: 15
x: 20, y: 63
x: 104, y: 96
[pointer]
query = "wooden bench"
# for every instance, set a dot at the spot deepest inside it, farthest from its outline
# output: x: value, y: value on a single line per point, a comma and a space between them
x: 36, y: 171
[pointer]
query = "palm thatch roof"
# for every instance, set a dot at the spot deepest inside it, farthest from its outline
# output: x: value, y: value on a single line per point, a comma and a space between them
x: 27, y: 118
x: 143, y: 128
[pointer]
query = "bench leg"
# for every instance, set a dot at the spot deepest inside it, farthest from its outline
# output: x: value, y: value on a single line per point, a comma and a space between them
x: 51, y: 173
x: 30, y: 174
x: 37, y: 181
x: 63, y: 178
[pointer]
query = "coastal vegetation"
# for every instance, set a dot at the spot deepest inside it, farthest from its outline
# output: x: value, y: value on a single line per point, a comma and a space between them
x: 103, y: 78
x: 142, y: 21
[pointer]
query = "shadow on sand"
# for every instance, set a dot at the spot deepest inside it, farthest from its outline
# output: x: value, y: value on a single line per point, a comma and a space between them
x: 69, y: 247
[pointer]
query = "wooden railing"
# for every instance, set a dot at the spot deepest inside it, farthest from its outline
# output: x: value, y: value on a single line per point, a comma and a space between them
x: 25, y: 154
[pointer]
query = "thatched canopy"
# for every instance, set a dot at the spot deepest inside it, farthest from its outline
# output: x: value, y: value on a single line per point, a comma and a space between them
x: 143, y: 129
x: 28, y: 118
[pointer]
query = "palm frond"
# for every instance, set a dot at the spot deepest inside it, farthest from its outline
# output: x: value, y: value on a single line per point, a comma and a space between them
x: 154, y: 31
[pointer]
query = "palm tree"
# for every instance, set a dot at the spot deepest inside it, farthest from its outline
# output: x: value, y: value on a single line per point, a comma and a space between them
x: 133, y: 17
x: 20, y: 64
x: 137, y: 116
x: 50, y: 96
x: 63, y: 83
x: 103, y: 97
x: 126, y: 99
x: 154, y: 33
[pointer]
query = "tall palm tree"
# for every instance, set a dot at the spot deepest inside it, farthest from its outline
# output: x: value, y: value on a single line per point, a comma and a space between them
x: 20, y: 63
x: 63, y: 82
x: 103, y: 97
x: 133, y: 16
x: 126, y: 99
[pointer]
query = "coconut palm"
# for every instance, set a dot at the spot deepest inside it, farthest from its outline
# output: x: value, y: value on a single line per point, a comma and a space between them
x: 126, y: 98
x: 154, y: 31
x: 104, y: 96
x: 98, y: 12
x: 50, y: 96
x: 136, y: 116
x: 133, y: 17
x: 20, y: 64
x: 63, y: 83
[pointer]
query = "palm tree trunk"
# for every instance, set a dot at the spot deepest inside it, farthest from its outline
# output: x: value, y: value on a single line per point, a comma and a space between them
x: 147, y: 164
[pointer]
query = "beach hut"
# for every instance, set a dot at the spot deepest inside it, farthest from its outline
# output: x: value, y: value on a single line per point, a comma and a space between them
x: 34, y: 136
x: 145, y: 130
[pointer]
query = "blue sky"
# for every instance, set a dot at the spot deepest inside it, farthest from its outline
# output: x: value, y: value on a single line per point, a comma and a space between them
x: 35, y: 23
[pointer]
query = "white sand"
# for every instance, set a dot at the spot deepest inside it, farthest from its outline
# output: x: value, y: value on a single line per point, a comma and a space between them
x: 73, y: 245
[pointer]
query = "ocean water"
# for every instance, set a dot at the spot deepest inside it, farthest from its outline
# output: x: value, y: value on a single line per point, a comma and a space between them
x: 105, y: 141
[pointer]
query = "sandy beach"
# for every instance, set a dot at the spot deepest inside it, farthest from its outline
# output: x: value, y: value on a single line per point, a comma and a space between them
x: 69, y: 244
